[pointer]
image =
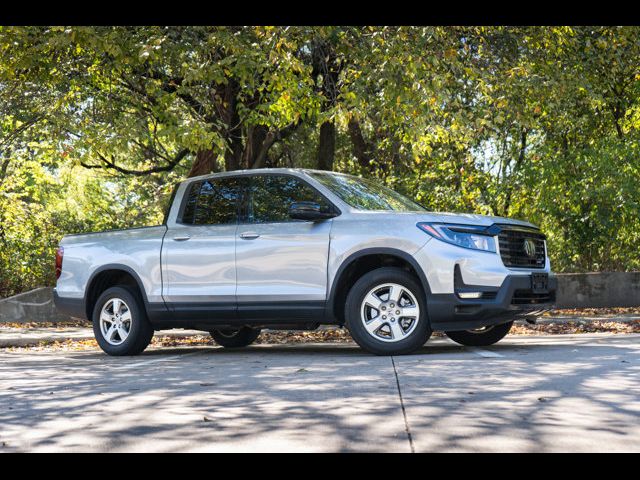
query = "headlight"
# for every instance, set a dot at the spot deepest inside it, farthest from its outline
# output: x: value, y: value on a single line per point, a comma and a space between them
x: 466, y: 236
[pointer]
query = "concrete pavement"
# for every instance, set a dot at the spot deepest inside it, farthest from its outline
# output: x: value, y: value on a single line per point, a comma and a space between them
x: 526, y: 394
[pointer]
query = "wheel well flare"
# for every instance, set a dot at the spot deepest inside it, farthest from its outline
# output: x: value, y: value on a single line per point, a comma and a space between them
x: 107, y: 279
x: 359, y: 267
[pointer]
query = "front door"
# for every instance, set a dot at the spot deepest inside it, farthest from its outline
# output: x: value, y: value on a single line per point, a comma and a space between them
x: 281, y: 263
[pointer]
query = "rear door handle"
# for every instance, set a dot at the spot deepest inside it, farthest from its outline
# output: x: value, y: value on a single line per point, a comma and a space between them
x: 249, y: 235
x: 182, y: 238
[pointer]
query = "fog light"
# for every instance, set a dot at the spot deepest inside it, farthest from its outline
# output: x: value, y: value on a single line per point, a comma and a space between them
x: 470, y: 294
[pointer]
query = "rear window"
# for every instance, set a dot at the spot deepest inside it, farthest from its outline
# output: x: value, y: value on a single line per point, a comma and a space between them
x: 212, y: 202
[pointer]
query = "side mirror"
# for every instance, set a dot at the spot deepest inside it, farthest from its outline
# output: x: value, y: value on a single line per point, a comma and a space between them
x: 308, y: 211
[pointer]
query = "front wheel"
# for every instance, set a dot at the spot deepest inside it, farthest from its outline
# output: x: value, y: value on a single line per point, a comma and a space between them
x: 386, y: 312
x: 235, y: 338
x: 481, y: 337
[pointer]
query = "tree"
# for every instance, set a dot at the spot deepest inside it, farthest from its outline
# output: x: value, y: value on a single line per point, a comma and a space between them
x: 141, y: 100
x: 540, y: 123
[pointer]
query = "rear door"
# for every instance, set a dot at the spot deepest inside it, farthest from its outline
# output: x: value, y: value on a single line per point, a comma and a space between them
x: 198, y: 255
x: 281, y: 263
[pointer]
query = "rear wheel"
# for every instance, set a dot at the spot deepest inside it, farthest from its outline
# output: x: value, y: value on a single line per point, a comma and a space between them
x: 120, y: 322
x: 235, y: 338
x: 386, y: 312
x: 481, y: 337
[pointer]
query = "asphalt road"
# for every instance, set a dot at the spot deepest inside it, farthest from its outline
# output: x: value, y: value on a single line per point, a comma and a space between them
x: 526, y: 394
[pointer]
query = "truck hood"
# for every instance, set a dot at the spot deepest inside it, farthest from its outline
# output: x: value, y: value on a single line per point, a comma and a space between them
x: 474, y: 219
x: 444, y: 217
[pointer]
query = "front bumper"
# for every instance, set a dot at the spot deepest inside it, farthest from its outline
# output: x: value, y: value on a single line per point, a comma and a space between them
x: 513, y: 299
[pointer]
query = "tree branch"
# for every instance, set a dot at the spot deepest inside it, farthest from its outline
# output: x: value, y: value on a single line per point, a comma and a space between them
x: 111, y: 165
x: 271, y: 138
x: 168, y: 85
x: 25, y: 126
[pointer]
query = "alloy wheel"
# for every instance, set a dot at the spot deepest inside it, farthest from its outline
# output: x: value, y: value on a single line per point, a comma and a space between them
x: 115, y: 321
x: 390, y: 312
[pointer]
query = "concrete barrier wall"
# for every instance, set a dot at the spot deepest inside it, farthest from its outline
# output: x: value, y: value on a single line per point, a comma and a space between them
x: 575, y: 290
x: 602, y: 289
x: 33, y: 306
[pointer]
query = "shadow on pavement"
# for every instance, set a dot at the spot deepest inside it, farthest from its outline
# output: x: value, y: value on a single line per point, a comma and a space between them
x: 319, y: 397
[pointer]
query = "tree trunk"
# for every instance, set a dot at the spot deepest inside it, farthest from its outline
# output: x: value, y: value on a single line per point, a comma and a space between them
x: 326, y: 146
x: 204, y: 163
x: 515, y: 170
x: 247, y: 145
x: 326, y: 66
x: 233, y: 155
x: 5, y: 166
x: 361, y: 149
x: 617, y: 112
x: 254, y: 155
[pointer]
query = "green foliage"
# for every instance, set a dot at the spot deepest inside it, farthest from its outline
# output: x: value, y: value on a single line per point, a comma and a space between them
x: 39, y: 204
x: 541, y: 123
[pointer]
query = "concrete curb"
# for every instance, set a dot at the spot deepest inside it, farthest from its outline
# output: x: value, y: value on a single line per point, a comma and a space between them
x: 589, y: 318
x: 27, y: 337
x: 22, y: 337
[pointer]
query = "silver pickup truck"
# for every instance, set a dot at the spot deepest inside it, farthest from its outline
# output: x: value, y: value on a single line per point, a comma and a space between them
x: 295, y: 249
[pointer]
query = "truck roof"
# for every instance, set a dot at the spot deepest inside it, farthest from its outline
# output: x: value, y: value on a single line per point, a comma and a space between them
x: 260, y: 170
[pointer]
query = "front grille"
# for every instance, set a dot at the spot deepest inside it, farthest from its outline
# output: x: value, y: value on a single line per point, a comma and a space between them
x: 527, y: 297
x: 513, y: 248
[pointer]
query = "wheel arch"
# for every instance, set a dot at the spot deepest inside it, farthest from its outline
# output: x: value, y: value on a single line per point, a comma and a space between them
x: 363, y: 261
x: 110, y: 275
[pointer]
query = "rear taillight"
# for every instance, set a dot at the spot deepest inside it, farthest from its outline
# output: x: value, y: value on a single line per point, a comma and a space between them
x: 59, y: 255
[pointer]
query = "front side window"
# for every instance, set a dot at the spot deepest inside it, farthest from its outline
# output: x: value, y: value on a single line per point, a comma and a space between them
x: 365, y: 194
x: 213, y: 202
x: 272, y: 195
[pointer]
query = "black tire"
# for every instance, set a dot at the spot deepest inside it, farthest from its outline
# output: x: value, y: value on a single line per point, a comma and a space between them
x: 414, y: 340
x: 235, y: 338
x: 481, y: 338
x: 140, y: 330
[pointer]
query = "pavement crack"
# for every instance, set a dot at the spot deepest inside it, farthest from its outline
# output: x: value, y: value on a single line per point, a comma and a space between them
x: 404, y: 411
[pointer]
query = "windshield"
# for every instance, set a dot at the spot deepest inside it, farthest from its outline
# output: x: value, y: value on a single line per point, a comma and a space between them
x: 365, y: 194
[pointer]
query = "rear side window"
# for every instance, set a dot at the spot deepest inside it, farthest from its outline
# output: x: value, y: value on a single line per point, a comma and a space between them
x: 272, y: 195
x: 213, y: 202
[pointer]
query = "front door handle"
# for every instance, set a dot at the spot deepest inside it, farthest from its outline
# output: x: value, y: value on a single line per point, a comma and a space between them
x: 249, y: 235
x: 182, y: 238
